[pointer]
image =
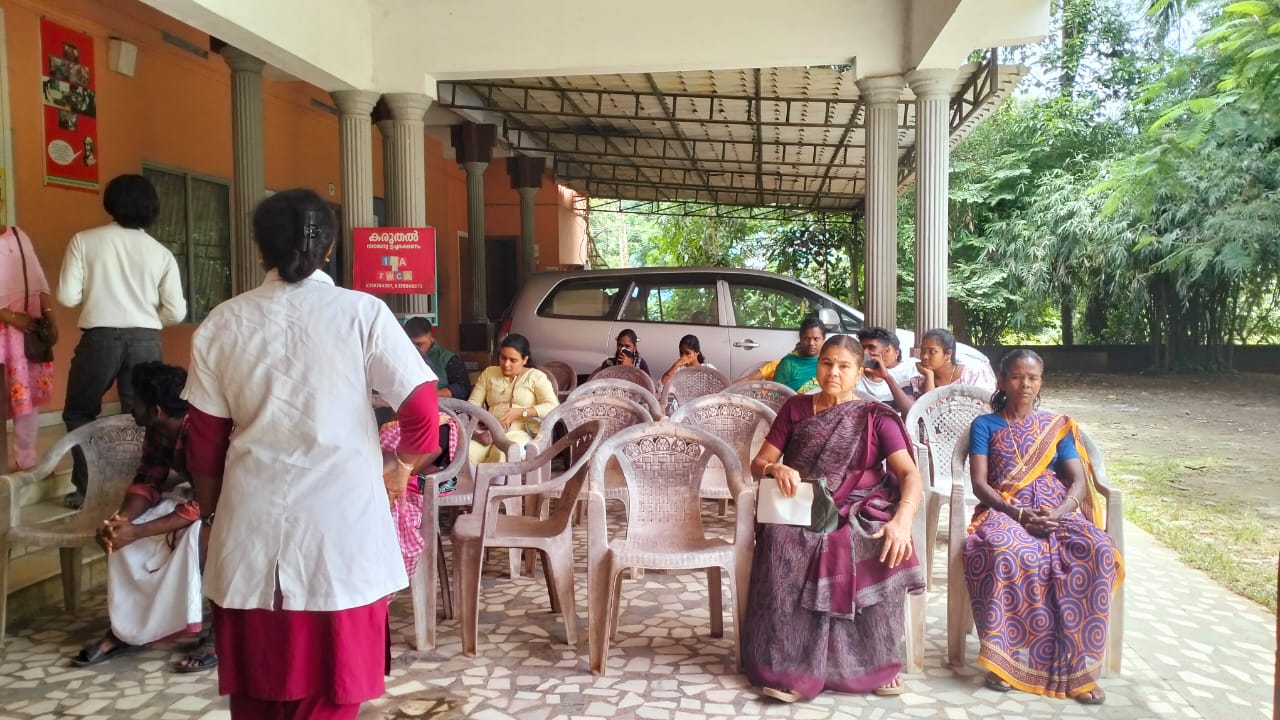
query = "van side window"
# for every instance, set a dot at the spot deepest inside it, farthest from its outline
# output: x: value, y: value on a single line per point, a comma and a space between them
x: 691, y: 303
x: 768, y: 307
x: 587, y: 298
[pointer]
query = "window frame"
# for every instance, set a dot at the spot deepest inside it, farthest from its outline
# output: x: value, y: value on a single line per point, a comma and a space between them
x: 188, y: 262
x: 664, y: 281
x: 616, y: 304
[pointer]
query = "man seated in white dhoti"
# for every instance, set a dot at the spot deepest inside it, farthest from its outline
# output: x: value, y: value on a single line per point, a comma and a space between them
x: 153, y: 540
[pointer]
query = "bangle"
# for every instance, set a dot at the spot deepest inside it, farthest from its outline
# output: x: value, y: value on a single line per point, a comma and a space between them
x: 1019, y: 516
x: 912, y: 503
x: 402, y: 463
x: 766, y: 468
x: 1073, y: 497
x: 208, y: 519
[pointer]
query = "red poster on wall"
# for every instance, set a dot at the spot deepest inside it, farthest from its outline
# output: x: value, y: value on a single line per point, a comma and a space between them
x: 395, y: 261
x: 70, y: 107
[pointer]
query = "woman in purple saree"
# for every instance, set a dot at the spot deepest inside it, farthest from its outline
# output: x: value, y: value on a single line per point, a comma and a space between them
x: 825, y: 611
x: 1039, y: 568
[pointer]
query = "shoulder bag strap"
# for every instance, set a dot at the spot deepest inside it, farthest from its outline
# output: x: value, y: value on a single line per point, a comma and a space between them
x: 26, y: 288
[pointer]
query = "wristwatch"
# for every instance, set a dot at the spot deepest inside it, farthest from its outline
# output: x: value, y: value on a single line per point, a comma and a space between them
x: 524, y: 413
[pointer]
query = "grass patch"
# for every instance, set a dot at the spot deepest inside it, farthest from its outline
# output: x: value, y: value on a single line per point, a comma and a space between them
x: 1230, y: 541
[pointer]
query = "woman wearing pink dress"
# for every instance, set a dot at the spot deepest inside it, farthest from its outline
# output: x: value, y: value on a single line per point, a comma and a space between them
x: 24, y: 297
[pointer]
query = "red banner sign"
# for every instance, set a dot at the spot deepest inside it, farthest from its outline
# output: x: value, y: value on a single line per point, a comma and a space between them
x: 70, y: 106
x: 395, y: 261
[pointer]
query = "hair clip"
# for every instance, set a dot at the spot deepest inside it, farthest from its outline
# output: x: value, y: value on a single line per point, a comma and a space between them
x: 311, y: 220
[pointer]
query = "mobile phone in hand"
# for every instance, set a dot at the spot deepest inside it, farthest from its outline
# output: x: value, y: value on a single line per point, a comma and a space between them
x: 871, y: 364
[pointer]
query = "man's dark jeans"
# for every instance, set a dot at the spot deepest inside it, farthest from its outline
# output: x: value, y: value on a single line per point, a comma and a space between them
x: 103, y: 356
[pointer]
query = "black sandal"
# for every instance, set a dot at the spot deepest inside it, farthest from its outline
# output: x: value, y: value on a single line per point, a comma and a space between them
x: 93, y: 654
x: 204, y: 656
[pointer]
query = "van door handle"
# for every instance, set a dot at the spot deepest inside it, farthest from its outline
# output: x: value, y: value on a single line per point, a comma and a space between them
x: 749, y: 344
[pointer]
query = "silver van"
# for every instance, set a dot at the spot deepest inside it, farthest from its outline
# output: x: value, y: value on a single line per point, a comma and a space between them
x: 741, y: 317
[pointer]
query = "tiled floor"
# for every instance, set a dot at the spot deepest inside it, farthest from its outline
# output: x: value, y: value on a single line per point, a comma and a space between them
x: 1192, y: 650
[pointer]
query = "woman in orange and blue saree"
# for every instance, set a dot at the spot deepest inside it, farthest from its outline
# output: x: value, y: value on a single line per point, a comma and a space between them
x: 1039, y: 568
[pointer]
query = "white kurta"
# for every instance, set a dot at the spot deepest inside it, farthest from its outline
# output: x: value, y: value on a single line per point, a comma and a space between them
x: 303, y: 504
x: 153, y: 591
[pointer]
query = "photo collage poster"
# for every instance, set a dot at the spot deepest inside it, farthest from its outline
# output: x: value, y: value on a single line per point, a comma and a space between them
x: 70, y: 107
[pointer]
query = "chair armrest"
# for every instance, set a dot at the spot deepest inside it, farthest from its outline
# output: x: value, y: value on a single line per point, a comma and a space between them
x: 745, y: 522
x: 10, y: 488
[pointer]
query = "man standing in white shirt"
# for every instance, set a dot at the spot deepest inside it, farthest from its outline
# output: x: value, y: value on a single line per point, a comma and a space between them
x: 887, y: 379
x: 128, y: 287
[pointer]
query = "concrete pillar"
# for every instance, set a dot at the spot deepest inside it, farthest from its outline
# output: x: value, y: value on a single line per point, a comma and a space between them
x: 526, y: 179
x: 880, y: 98
x: 248, y: 184
x: 932, y: 89
x: 473, y: 148
x: 407, y: 177
x: 355, y: 141
x: 475, y: 235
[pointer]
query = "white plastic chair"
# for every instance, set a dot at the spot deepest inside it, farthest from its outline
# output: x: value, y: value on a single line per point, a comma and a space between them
x: 690, y: 382
x: 766, y: 391
x: 959, y: 609
x: 485, y: 527
x: 113, y: 448
x: 431, y: 570
x: 621, y: 388
x: 630, y: 373
x: 935, y: 422
x: 663, y: 465
x: 462, y: 495
x: 740, y: 421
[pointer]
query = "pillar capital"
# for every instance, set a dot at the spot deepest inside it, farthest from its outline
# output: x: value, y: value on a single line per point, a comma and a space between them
x: 473, y: 142
x: 931, y: 83
x: 881, y: 90
x: 526, y: 171
x: 404, y: 106
x: 354, y: 102
x: 474, y: 168
x: 241, y: 61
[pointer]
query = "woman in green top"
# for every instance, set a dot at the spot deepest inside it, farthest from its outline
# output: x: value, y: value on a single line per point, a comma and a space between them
x: 798, y: 370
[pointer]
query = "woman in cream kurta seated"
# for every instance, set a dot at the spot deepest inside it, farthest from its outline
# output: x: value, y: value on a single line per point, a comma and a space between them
x: 513, y: 392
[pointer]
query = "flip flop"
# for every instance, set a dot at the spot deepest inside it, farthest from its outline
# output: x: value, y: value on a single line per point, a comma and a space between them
x: 890, y: 690
x: 784, y: 696
x: 1091, y: 699
x: 995, y: 682
x: 94, y: 654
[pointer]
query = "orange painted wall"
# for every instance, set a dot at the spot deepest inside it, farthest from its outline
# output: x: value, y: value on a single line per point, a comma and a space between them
x: 174, y: 112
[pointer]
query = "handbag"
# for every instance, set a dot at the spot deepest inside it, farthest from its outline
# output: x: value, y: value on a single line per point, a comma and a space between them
x: 811, y: 507
x: 40, y: 337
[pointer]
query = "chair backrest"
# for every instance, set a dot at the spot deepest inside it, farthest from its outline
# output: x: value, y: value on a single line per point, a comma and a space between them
x: 939, y: 418
x: 563, y: 376
x: 766, y: 391
x: 629, y: 373
x: 620, y: 388
x: 753, y: 370
x: 691, y: 382
x: 525, y: 477
x: 740, y: 421
x: 958, y: 468
x: 663, y: 464
x: 112, y: 449
x: 613, y: 412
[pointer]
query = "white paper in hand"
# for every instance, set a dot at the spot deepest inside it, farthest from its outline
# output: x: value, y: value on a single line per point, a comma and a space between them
x: 774, y: 508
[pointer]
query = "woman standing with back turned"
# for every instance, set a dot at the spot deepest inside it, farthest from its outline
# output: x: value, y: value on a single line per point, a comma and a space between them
x: 303, y: 551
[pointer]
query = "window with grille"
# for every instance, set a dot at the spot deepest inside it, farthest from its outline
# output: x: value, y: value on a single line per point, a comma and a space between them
x: 195, y: 224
